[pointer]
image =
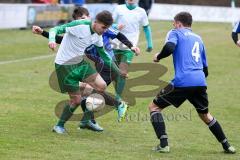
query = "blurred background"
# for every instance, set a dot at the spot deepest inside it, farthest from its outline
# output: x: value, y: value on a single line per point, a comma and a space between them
x: 47, y: 13
x: 189, y: 2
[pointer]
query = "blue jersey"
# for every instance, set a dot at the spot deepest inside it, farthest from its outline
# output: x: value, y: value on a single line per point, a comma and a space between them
x: 236, y: 28
x: 91, y: 51
x: 111, y: 33
x: 189, y: 58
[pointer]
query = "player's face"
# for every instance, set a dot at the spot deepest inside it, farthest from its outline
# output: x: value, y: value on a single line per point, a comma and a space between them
x: 132, y: 1
x: 99, y: 28
x: 83, y: 17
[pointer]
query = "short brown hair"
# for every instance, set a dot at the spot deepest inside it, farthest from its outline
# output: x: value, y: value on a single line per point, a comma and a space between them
x: 185, y: 18
x: 105, y: 17
x: 79, y: 12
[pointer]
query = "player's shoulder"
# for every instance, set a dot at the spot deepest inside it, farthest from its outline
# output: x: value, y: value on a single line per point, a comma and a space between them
x: 83, y: 22
x: 79, y: 24
x: 120, y: 7
x: 173, y: 31
x: 140, y: 10
x: 170, y: 33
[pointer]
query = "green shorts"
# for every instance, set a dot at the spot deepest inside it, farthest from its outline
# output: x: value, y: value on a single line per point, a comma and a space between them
x: 69, y: 76
x: 125, y: 56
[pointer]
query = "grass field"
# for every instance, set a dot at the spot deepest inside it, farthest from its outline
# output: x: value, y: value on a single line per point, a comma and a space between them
x: 27, y: 106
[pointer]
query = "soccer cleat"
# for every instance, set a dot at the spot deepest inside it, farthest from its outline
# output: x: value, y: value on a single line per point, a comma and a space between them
x: 230, y: 150
x: 59, y: 129
x: 158, y: 148
x: 90, y: 125
x: 122, y: 110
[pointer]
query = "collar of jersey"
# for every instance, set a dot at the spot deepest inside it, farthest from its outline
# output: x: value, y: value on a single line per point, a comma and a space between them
x: 131, y: 7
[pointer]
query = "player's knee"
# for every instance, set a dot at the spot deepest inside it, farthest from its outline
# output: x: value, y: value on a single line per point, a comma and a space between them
x: 153, y: 107
x: 206, y: 117
x: 102, y: 87
x: 87, y: 90
x: 76, y: 100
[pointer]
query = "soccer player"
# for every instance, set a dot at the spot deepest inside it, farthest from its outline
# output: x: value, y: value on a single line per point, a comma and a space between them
x: 91, y: 52
x: 70, y: 66
x: 132, y: 17
x: 78, y: 13
x: 235, y: 32
x: 189, y: 83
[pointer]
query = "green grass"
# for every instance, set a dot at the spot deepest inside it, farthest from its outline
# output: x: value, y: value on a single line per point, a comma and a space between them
x: 27, y: 106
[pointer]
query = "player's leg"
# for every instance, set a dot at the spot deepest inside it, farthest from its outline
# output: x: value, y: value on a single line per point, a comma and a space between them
x: 106, y: 73
x: 88, y: 121
x: 75, y: 100
x: 200, y: 101
x: 108, y: 76
x: 121, y: 81
x: 67, y: 79
x: 166, y: 97
x: 159, y: 127
x: 124, y: 58
x: 99, y: 85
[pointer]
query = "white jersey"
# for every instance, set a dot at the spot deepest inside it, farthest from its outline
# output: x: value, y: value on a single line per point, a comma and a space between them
x: 132, y: 21
x: 76, y: 39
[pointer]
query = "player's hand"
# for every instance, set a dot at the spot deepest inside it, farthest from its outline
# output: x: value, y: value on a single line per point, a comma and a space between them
x: 121, y: 26
x: 37, y: 30
x: 238, y: 43
x: 52, y: 45
x: 155, y: 58
x: 136, y: 50
x: 149, y: 49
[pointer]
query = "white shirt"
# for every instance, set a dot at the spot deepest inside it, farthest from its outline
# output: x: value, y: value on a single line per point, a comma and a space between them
x: 132, y: 21
x: 75, y: 41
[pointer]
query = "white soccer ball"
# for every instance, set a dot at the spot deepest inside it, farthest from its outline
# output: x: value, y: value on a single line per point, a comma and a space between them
x: 95, y: 102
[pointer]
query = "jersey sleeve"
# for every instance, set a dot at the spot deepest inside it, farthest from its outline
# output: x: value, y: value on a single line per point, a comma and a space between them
x: 236, y: 28
x: 111, y: 32
x: 144, y: 18
x: 172, y: 37
x: 62, y: 28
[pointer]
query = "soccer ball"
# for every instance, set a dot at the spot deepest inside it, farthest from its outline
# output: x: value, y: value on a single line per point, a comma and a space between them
x: 95, y: 102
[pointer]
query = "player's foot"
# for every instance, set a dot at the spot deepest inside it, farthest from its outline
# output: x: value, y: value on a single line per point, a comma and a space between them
x: 160, y: 149
x: 90, y: 125
x: 230, y: 150
x: 59, y: 129
x: 122, y: 110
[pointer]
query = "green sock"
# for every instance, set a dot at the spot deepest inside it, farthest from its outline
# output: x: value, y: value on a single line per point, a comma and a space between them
x: 87, y: 115
x: 120, y: 84
x: 66, y: 114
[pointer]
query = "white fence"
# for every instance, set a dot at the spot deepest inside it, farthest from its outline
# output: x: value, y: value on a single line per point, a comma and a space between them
x: 25, y: 15
x: 199, y: 13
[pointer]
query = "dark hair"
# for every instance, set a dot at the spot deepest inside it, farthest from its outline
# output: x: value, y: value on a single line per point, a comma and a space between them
x: 79, y: 12
x: 185, y: 18
x: 105, y: 17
